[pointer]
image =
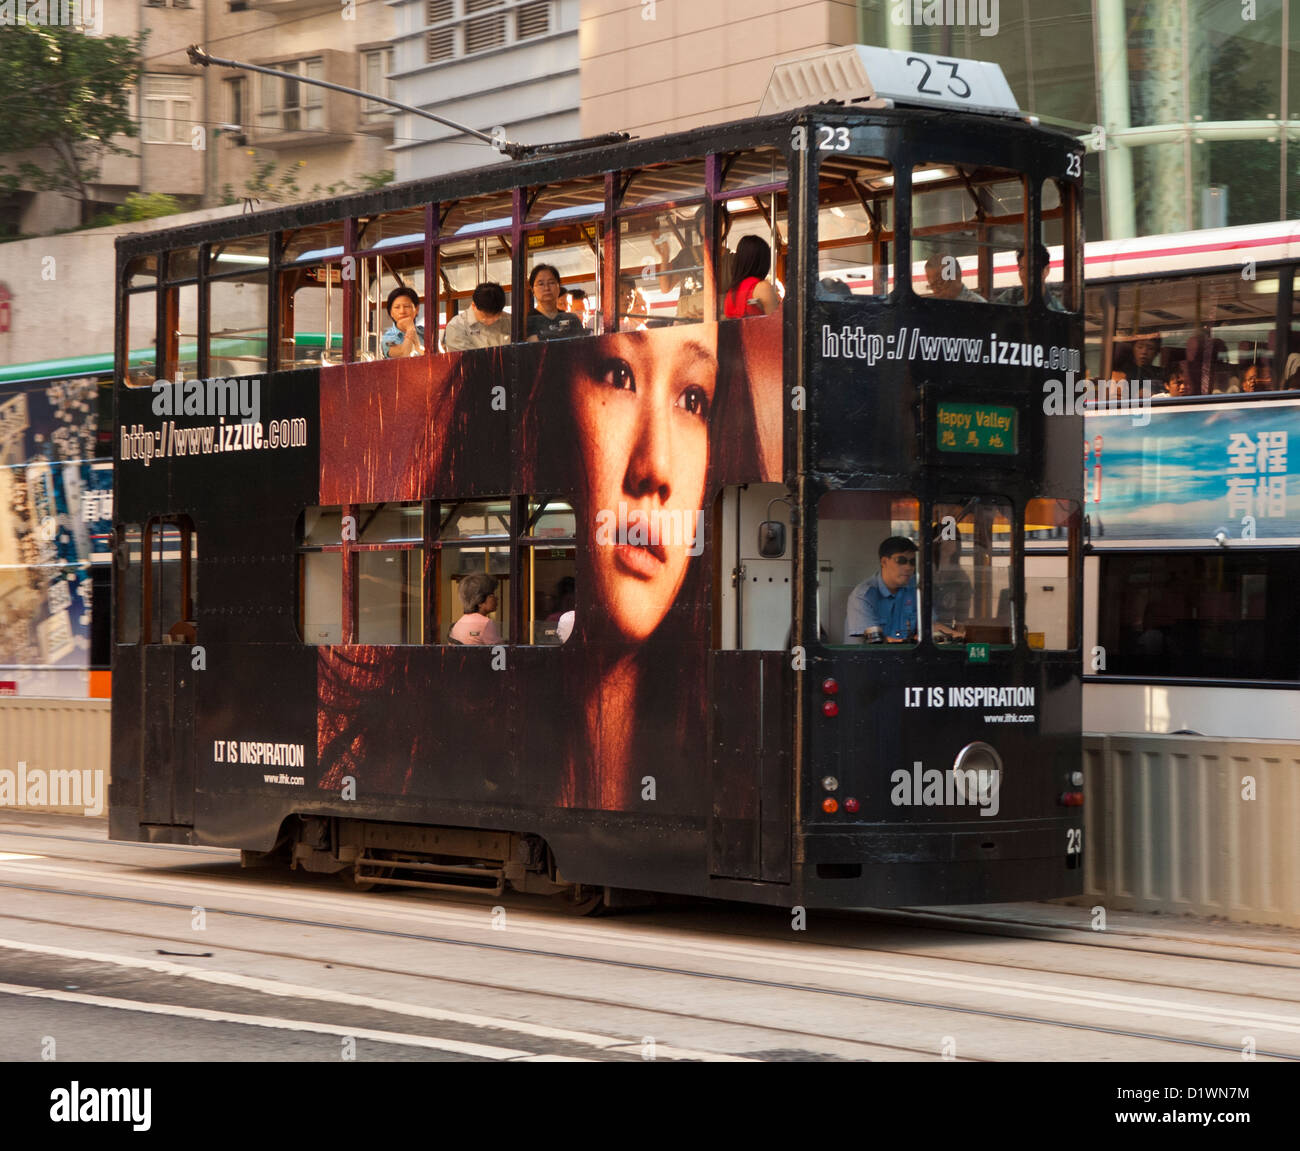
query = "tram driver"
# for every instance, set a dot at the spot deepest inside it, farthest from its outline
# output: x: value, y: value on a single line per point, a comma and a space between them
x: 882, y: 609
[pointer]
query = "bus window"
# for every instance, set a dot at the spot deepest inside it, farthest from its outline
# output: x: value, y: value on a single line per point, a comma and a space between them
x: 970, y: 589
x: 1052, y: 527
x: 1288, y: 379
x: 390, y: 573
x: 765, y: 215
x: 128, y: 561
x: 566, y: 233
x: 662, y: 261
x: 320, y: 576
x: 968, y: 224
x: 310, y: 302
x: 238, y: 286
x: 473, y: 537
x: 1059, y: 216
x: 852, y: 529
x: 1197, y: 335
x: 548, y: 568
x: 855, y: 226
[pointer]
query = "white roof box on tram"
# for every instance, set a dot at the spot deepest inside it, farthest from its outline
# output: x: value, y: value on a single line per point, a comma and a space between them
x: 882, y: 78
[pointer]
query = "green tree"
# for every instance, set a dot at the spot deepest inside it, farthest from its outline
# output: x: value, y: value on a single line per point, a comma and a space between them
x: 65, y: 99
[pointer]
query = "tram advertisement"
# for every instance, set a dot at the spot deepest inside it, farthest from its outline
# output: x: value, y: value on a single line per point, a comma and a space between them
x: 617, y: 446
x: 55, y: 513
x: 1194, y: 472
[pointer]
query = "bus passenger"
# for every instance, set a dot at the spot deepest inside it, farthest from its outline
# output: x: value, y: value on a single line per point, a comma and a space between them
x: 478, y: 594
x: 1258, y: 377
x: 545, y: 320
x: 1020, y: 295
x: 750, y: 294
x: 481, y: 325
x: 945, y: 287
x: 405, y: 337
x: 882, y: 609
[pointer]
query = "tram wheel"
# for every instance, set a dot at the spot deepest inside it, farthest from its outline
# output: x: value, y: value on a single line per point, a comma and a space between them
x: 579, y: 900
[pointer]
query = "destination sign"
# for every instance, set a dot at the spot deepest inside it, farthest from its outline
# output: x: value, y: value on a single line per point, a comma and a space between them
x: 985, y: 428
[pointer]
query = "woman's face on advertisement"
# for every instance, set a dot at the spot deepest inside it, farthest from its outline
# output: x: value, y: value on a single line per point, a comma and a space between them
x: 642, y: 409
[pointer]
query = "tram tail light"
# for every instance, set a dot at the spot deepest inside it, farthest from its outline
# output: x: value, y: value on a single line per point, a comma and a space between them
x: 830, y: 708
x: 830, y: 805
x: 830, y: 686
x: 851, y: 805
x: 1071, y: 799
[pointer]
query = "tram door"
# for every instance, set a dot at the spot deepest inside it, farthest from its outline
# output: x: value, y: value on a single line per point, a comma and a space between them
x: 168, y: 635
x: 751, y: 685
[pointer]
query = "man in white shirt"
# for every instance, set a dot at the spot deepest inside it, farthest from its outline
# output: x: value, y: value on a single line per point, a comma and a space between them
x: 483, y: 325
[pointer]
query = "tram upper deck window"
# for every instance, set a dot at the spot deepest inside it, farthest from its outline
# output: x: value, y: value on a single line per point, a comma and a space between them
x: 179, y: 337
x: 762, y: 214
x: 140, y: 304
x: 970, y: 589
x: 662, y: 262
x: 1052, y: 539
x: 968, y: 223
x: 238, y: 287
x: 473, y: 248
x: 866, y: 568
x: 1060, y: 228
x: 390, y: 254
x: 1195, y: 335
x: 310, y: 299
x: 855, y: 226
x: 566, y: 235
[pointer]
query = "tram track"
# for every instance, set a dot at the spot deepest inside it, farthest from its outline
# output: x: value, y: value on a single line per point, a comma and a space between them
x: 787, y: 986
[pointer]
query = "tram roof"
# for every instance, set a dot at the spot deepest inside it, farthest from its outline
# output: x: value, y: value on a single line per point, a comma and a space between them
x: 601, y: 157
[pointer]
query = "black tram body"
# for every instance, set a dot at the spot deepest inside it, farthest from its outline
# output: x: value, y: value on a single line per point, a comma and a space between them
x: 740, y: 812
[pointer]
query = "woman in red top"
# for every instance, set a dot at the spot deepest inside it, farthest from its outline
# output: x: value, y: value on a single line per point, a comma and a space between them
x: 750, y: 294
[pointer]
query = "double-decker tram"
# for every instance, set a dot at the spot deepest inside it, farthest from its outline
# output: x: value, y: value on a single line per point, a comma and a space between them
x: 627, y: 598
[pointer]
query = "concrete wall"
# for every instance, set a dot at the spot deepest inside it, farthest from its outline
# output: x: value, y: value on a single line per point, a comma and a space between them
x: 65, y: 308
x: 694, y: 63
x: 1196, y: 826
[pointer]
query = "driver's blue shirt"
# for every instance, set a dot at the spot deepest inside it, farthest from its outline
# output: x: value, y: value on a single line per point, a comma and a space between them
x: 872, y: 604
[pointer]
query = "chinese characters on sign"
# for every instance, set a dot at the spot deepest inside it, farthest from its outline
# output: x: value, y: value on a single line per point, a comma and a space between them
x: 1257, y: 474
x: 976, y: 428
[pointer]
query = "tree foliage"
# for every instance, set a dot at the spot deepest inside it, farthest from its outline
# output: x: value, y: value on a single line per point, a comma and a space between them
x: 65, y: 99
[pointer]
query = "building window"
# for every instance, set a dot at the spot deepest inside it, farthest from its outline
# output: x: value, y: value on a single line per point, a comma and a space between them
x: 472, y: 26
x: 288, y: 106
x: 377, y: 65
x: 168, y: 109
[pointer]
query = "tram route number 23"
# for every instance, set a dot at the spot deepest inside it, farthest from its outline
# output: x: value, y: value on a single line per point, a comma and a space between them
x: 828, y: 139
x: 1073, y: 840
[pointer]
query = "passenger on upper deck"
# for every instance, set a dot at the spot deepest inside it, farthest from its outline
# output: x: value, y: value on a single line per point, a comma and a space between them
x: 478, y: 594
x: 580, y: 306
x: 483, y: 324
x: 750, y: 294
x: 944, y: 285
x: 1020, y: 294
x: 882, y: 609
x: 545, y: 320
x: 685, y: 269
x: 405, y: 337
x: 632, y: 310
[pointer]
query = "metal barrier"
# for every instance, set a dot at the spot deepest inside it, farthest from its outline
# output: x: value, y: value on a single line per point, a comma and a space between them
x: 1193, y: 825
x: 54, y: 755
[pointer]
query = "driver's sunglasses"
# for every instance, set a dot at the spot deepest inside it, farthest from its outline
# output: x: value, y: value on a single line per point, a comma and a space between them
x: 905, y: 561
